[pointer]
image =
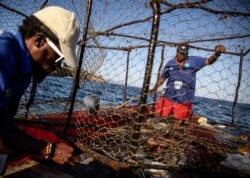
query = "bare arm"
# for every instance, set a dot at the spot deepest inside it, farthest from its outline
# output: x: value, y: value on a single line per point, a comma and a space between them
x: 159, y: 82
x: 218, y: 50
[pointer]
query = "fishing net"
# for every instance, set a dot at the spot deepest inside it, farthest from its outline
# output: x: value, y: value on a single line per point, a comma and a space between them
x: 124, y: 131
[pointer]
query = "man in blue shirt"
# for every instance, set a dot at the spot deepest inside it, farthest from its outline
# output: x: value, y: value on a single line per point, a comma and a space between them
x: 44, y: 40
x: 180, y: 73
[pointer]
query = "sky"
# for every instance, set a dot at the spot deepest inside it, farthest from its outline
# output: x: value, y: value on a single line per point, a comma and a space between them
x: 217, y: 81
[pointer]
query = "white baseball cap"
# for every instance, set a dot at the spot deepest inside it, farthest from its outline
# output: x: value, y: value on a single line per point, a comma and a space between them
x: 64, y: 25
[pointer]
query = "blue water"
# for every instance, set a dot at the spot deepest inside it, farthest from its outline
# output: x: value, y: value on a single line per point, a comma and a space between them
x: 53, y: 94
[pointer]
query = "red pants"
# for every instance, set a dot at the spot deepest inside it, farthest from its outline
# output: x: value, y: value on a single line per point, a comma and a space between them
x: 180, y: 111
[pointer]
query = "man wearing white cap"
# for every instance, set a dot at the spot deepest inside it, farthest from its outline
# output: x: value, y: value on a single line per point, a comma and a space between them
x: 45, y: 39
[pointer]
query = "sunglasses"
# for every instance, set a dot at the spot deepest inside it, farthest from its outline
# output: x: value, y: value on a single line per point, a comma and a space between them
x: 53, y: 46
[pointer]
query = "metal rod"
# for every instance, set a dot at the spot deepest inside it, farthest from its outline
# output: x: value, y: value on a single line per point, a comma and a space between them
x: 151, y: 50
x: 238, y: 87
x: 172, y: 44
x: 126, y: 78
x: 13, y: 10
x: 150, y: 59
x: 77, y: 77
x: 159, y: 72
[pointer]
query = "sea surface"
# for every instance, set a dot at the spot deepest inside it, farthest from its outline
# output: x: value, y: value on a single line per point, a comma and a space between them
x: 53, y: 94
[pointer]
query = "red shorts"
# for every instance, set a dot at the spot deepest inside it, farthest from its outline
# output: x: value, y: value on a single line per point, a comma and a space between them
x: 180, y: 111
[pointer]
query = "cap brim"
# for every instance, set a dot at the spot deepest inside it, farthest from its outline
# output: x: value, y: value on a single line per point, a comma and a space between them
x: 182, y: 51
x: 69, y: 55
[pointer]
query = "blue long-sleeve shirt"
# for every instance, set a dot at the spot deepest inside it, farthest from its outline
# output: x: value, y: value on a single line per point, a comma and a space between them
x: 15, y: 68
x: 180, y: 85
x: 15, y: 77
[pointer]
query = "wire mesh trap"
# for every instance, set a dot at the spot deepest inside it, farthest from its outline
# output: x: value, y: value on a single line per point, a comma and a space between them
x: 122, y: 49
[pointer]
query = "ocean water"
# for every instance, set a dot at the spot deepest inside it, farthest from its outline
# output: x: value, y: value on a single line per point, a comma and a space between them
x: 53, y: 94
x: 220, y: 112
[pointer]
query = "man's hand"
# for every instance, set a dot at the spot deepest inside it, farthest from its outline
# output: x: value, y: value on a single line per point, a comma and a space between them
x: 220, y: 49
x: 63, y: 153
x: 153, y: 90
x: 159, y: 82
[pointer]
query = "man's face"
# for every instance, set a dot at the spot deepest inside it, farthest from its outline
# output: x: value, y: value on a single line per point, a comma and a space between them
x: 44, y: 57
x: 47, y: 59
x: 180, y: 57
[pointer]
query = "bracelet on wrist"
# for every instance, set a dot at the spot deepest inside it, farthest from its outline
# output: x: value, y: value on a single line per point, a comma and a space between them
x: 217, y: 54
x: 49, y: 150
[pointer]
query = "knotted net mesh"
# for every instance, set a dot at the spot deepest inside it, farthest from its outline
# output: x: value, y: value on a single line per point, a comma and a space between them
x: 117, y: 48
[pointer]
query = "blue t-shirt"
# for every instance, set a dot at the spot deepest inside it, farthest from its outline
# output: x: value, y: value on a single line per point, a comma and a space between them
x: 15, y: 68
x: 180, y: 85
